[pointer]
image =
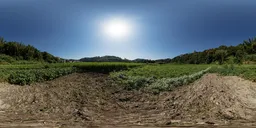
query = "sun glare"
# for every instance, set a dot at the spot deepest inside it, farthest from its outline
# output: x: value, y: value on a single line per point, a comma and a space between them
x: 117, y: 28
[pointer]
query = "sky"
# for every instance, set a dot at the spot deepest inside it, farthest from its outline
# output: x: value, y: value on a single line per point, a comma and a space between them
x: 72, y: 29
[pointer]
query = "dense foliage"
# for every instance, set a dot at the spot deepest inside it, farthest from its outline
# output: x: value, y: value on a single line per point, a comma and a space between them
x: 114, y: 59
x: 12, y: 51
x: 143, y: 61
x: 242, y: 53
x: 103, y: 59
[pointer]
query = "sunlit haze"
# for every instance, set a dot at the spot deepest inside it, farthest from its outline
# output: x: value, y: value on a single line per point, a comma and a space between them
x: 117, y: 28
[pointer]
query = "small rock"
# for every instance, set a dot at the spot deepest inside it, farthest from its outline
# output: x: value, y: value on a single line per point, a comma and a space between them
x: 210, y: 122
x: 175, y: 121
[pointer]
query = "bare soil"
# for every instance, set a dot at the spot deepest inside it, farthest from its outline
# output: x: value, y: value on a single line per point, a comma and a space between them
x: 94, y: 100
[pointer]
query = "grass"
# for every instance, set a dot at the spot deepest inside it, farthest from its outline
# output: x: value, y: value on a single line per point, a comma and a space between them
x: 245, y: 71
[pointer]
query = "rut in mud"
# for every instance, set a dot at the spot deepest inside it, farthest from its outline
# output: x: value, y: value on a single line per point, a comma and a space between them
x: 91, y: 99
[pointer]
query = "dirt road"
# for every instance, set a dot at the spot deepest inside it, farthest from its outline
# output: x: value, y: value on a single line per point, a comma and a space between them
x: 94, y: 100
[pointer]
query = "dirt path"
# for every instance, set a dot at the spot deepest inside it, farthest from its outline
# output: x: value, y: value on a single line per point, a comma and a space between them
x: 93, y: 100
x: 6, y: 120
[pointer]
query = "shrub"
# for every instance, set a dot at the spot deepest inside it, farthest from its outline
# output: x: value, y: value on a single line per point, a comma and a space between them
x: 6, y: 59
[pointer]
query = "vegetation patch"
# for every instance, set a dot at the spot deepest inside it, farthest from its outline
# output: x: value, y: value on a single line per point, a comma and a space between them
x: 151, y: 78
x: 105, y: 67
x: 241, y: 53
x: 25, y: 74
x: 26, y: 77
x: 245, y: 71
x: 162, y: 71
x: 167, y: 84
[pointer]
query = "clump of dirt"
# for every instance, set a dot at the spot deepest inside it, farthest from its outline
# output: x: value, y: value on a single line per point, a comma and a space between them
x: 215, y: 99
x: 90, y: 99
x: 73, y: 98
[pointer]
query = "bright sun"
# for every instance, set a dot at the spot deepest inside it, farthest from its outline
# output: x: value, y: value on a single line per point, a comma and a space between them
x: 117, y: 28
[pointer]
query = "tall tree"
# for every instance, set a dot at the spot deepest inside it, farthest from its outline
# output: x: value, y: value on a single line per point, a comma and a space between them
x: 220, y: 56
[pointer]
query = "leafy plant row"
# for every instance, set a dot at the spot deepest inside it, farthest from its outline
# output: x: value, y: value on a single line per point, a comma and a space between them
x: 25, y: 77
x: 162, y: 71
x: 27, y: 74
x: 106, y: 67
x: 63, y: 65
x: 168, y: 84
x: 154, y: 83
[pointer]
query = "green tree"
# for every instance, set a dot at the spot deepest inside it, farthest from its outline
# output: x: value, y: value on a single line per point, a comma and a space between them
x: 2, y: 42
x: 240, y: 55
x: 220, y: 56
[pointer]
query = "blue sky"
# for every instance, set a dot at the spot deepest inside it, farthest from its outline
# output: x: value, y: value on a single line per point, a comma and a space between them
x: 162, y: 28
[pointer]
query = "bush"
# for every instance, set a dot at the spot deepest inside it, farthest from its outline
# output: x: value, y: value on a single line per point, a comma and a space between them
x: 6, y: 59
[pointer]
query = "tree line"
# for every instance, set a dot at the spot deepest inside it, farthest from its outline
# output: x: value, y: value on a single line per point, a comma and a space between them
x: 103, y: 59
x: 242, y: 53
x: 20, y: 51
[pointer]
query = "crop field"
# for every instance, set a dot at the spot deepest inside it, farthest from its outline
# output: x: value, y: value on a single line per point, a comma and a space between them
x: 134, y: 75
x: 160, y: 77
x: 116, y: 86
x: 164, y: 71
x: 58, y: 65
x: 30, y: 73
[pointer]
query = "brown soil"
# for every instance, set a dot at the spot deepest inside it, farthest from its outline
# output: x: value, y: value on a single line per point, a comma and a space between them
x: 91, y: 99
